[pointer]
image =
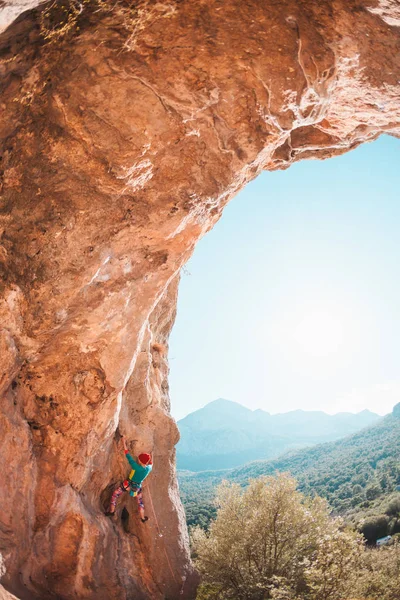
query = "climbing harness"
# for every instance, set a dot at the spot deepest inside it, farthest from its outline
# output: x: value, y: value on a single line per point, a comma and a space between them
x: 133, y: 487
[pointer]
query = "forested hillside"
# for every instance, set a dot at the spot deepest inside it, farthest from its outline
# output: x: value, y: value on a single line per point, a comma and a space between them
x: 358, y: 475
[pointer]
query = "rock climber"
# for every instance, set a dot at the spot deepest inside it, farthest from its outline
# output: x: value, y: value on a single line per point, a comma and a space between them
x: 133, y: 484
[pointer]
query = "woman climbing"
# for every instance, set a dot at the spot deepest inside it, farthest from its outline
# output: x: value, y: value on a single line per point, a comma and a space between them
x: 133, y: 484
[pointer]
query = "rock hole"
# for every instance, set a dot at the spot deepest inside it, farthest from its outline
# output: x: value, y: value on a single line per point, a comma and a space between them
x: 125, y: 520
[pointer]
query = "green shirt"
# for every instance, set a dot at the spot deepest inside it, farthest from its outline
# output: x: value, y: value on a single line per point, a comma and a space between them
x: 139, y: 472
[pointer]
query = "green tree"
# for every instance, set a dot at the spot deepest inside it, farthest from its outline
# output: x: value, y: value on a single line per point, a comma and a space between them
x: 269, y: 541
x: 378, y: 575
x: 373, y: 491
x: 393, y: 508
x: 374, y: 528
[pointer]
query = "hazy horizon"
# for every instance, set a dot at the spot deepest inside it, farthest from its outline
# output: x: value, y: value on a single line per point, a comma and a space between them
x: 283, y: 412
x: 292, y: 300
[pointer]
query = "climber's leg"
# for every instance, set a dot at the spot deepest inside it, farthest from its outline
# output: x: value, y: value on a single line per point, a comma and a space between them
x: 140, y: 502
x: 114, y: 498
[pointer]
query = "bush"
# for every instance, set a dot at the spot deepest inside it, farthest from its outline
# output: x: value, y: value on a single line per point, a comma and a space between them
x: 269, y: 541
x: 373, y: 491
x: 393, y: 508
x: 378, y: 576
x: 375, y: 528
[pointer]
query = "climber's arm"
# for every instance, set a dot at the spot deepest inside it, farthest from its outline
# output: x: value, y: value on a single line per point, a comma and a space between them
x: 129, y: 457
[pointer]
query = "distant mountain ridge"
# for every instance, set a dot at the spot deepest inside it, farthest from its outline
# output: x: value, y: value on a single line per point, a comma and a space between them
x: 358, y: 474
x: 224, y: 434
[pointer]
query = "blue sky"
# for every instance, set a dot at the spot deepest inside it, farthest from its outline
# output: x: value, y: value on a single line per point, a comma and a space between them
x: 293, y: 299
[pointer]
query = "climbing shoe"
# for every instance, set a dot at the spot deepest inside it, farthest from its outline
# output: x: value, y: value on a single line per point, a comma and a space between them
x: 145, y: 519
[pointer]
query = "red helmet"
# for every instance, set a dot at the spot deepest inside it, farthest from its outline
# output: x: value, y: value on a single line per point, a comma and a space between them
x: 145, y: 459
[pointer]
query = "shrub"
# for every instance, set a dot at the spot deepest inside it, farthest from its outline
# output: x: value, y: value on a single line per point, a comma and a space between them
x: 393, y: 508
x: 375, y: 528
x: 378, y: 576
x: 269, y: 541
x: 373, y: 491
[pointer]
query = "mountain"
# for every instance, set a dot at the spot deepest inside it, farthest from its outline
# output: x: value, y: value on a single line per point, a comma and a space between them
x: 225, y: 434
x: 358, y: 475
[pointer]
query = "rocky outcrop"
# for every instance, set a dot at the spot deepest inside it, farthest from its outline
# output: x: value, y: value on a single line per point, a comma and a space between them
x: 12, y: 9
x: 126, y: 128
x: 4, y: 595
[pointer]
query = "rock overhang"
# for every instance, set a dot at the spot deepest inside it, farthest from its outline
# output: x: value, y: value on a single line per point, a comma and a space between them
x: 122, y: 142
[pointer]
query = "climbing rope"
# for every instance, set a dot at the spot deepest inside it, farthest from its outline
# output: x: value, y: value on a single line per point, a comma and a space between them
x: 160, y: 535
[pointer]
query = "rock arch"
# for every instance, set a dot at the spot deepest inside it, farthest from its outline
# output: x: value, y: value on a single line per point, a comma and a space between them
x: 121, y: 143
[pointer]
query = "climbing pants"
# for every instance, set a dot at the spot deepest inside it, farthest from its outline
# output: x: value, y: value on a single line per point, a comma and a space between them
x: 125, y: 486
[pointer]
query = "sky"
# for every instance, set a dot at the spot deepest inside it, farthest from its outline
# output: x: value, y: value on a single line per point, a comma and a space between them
x: 292, y: 301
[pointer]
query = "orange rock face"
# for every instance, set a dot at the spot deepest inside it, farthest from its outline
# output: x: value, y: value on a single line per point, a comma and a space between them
x: 121, y: 142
